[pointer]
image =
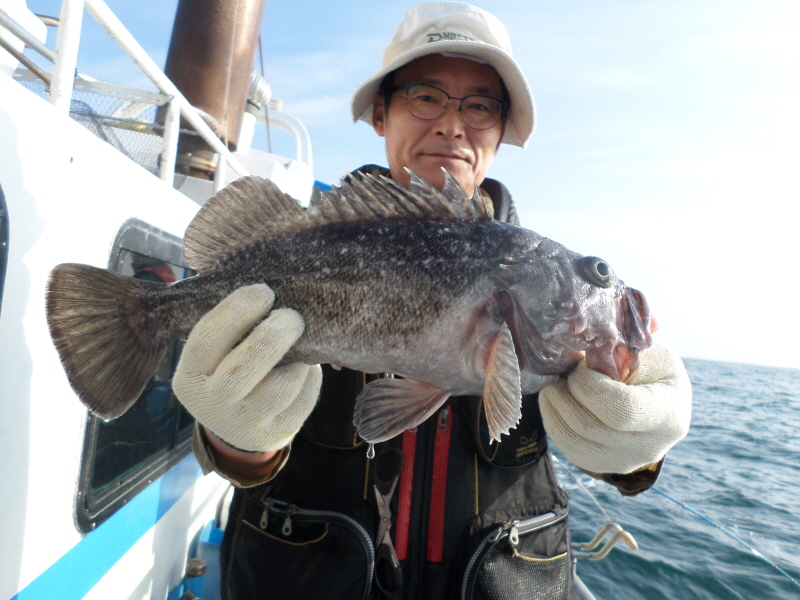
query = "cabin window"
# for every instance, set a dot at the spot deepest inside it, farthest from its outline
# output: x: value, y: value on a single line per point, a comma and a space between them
x: 121, y: 457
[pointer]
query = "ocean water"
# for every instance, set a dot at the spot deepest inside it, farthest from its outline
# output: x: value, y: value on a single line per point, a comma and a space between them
x: 739, y: 466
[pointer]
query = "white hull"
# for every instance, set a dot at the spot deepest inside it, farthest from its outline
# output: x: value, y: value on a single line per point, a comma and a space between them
x: 68, y: 193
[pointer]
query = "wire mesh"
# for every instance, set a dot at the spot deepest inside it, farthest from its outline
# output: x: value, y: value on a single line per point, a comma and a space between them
x: 130, y: 126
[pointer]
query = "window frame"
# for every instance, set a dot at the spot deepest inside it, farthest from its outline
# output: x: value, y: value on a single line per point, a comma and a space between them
x: 137, y: 236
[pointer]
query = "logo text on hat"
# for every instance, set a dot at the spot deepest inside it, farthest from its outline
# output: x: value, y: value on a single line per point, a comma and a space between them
x: 447, y: 36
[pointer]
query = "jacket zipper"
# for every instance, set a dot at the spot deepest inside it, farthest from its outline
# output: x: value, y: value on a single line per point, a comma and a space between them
x: 512, y: 531
x: 418, y: 532
x: 441, y: 453
x: 406, y: 486
x: 291, y: 511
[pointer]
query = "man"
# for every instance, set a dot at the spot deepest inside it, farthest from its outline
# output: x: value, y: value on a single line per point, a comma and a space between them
x: 463, y: 517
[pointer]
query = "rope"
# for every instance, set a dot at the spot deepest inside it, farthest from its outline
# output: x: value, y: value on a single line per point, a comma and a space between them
x: 266, y: 106
x: 578, y: 481
x: 728, y: 533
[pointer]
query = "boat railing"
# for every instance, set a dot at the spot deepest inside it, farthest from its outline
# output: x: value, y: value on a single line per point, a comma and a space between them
x: 295, y: 128
x: 62, y: 83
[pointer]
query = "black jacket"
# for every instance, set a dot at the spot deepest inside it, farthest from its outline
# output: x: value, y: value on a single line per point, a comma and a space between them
x: 468, y: 519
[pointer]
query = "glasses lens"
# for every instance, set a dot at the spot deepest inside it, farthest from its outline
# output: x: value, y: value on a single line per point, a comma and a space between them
x: 480, y: 112
x: 425, y: 102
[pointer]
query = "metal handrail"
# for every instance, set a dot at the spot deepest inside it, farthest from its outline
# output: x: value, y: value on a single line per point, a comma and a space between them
x: 582, y: 550
x: 295, y: 127
x: 27, y: 62
x: 64, y: 61
x: 22, y: 33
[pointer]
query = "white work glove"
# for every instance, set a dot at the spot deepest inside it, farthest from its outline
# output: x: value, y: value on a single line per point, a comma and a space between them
x: 237, y: 392
x: 605, y: 426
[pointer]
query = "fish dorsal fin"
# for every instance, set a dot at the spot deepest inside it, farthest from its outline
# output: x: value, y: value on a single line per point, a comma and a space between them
x: 246, y: 211
x: 365, y: 197
x: 252, y: 209
x: 460, y: 206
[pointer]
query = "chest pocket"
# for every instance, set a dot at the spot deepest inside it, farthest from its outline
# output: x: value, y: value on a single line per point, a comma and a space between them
x: 524, y: 444
x: 521, y: 558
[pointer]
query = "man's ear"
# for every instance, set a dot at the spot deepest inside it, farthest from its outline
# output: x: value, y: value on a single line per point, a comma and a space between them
x: 379, y: 115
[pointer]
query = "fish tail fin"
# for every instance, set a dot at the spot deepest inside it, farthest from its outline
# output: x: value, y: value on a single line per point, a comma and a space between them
x: 108, y: 349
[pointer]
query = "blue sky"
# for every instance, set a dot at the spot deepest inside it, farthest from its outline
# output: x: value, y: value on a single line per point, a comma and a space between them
x: 666, y: 139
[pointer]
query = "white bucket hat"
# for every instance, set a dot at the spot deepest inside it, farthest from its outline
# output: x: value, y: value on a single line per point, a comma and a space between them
x: 460, y: 30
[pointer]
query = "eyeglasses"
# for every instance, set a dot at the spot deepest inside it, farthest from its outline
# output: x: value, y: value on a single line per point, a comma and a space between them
x: 428, y: 103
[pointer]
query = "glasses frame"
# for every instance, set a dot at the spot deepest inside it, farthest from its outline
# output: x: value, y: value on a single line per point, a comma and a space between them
x: 406, y: 86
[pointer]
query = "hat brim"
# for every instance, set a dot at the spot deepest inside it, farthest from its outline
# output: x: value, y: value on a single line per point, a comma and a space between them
x: 522, y: 116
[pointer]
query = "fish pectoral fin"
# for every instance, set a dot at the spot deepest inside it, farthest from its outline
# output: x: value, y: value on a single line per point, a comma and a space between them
x: 502, y: 393
x: 387, y: 407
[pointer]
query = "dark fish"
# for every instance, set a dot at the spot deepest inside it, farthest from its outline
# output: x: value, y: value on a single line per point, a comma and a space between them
x: 411, y: 281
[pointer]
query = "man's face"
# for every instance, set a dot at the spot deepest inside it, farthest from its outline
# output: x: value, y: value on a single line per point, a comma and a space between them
x: 426, y: 146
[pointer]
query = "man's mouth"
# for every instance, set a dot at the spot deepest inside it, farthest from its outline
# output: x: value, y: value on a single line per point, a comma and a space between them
x: 447, y: 156
x: 448, y: 151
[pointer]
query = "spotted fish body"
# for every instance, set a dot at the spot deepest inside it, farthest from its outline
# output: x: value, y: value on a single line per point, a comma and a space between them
x: 411, y: 281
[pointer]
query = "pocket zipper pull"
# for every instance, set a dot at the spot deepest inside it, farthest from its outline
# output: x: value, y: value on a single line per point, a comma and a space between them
x: 513, y: 534
x: 287, y: 526
x: 513, y: 538
x: 264, y: 519
x: 495, y: 534
x: 443, y: 419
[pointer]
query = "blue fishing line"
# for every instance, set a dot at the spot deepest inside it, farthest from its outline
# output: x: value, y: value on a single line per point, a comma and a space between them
x: 728, y: 533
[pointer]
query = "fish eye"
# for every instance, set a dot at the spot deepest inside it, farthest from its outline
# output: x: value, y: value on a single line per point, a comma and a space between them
x: 595, y: 271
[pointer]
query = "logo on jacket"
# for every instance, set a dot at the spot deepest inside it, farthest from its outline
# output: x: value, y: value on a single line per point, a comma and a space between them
x: 528, y: 445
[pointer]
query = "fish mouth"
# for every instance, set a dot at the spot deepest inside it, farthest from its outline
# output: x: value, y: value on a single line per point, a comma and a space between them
x: 619, y: 359
x: 636, y: 317
x: 612, y: 350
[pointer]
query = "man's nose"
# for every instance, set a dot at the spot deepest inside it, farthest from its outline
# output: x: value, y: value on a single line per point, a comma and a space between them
x: 450, y: 124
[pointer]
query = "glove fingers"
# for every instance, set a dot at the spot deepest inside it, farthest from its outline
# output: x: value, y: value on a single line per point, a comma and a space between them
x: 294, y: 413
x: 620, y: 406
x: 217, y: 332
x: 658, y: 361
x: 643, y: 406
x: 590, y: 446
x: 279, y: 389
x: 291, y: 393
x: 579, y: 450
x: 247, y: 364
x: 569, y: 416
x: 605, y: 426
